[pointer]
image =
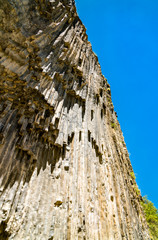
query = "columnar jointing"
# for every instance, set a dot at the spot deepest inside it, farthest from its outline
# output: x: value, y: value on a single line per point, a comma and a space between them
x: 65, y: 172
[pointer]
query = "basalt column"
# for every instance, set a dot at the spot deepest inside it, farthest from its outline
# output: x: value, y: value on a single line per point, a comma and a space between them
x: 65, y: 172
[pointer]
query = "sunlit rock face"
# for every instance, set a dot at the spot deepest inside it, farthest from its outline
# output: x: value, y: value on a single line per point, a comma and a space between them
x: 65, y: 172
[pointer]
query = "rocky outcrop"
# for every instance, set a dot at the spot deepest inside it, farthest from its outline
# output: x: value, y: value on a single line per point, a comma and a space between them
x: 65, y: 171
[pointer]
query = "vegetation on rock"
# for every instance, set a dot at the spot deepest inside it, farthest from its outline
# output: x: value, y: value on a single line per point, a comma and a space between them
x: 113, y: 125
x: 151, y: 214
x: 133, y: 175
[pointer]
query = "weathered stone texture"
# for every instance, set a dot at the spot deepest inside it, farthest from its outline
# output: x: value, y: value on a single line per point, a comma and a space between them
x: 65, y: 172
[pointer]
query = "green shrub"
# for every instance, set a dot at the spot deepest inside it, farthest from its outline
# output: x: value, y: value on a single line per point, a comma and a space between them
x: 151, y: 215
x: 132, y: 175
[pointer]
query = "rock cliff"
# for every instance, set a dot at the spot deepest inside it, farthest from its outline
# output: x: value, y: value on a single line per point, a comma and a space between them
x: 65, y: 171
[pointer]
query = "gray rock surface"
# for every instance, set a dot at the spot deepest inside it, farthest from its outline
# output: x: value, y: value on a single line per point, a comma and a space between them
x: 65, y: 171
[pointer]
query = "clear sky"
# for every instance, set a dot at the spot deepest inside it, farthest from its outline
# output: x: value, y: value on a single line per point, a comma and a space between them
x: 124, y: 35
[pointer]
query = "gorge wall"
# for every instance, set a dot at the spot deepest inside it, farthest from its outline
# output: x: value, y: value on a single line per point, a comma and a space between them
x: 65, y: 171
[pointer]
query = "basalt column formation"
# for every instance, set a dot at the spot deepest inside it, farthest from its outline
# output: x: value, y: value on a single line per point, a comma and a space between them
x: 65, y: 172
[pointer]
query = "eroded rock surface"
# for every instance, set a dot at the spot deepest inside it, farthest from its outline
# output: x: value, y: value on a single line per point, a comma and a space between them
x: 65, y: 171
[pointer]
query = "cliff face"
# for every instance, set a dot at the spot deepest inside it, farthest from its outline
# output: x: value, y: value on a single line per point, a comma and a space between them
x: 65, y: 172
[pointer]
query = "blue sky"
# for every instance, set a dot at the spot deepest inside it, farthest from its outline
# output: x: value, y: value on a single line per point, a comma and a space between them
x: 124, y: 35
